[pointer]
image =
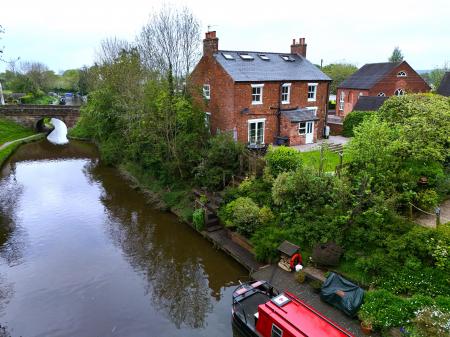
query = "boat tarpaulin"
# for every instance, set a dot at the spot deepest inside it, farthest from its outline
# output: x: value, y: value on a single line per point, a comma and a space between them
x: 342, y: 294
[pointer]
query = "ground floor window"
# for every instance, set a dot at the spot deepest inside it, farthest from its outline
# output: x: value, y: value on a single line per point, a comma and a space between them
x: 302, y: 128
x: 305, y: 127
x: 256, y: 131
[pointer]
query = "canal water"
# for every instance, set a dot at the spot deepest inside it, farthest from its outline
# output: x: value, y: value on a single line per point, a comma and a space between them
x: 82, y: 254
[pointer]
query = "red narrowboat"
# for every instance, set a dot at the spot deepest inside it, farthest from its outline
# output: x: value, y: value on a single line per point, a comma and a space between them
x: 260, y: 311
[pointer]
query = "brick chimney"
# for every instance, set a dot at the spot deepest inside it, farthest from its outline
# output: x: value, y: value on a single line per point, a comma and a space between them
x: 299, y: 48
x: 210, y: 43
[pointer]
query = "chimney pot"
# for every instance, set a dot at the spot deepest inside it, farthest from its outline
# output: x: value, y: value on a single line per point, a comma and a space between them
x: 210, y: 43
x: 299, y: 48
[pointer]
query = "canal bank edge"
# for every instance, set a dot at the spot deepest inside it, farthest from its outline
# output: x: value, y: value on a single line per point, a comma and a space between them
x: 221, y: 240
x: 7, y: 149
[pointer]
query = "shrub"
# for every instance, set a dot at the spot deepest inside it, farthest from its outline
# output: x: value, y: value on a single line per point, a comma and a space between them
x: 220, y: 162
x: 432, y: 321
x: 353, y: 119
x: 242, y: 214
x: 300, y: 276
x: 198, y: 219
x: 425, y: 281
x: 257, y: 189
x: 427, y: 199
x: 282, y: 159
x: 384, y: 310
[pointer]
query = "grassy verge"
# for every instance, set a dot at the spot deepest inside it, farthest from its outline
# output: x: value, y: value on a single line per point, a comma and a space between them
x: 177, y: 198
x: 9, y: 150
x: 10, y: 130
x: 312, y: 159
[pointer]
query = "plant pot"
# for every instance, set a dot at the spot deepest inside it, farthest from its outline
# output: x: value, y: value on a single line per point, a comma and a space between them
x: 366, y: 328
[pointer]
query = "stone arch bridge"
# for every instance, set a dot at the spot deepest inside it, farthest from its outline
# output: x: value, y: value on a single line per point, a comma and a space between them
x: 33, y: 115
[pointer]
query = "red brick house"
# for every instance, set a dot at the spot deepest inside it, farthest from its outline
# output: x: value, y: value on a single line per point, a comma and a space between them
x: 260, y: 96
x: 379, y: 80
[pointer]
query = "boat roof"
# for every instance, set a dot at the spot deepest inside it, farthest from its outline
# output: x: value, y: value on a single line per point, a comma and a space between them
x: 293, y: 315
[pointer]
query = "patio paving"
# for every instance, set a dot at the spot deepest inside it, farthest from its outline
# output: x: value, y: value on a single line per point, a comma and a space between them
x: 315, y: 146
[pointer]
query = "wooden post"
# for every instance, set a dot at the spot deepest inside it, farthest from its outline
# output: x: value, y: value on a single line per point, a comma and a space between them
x: 438, y: 216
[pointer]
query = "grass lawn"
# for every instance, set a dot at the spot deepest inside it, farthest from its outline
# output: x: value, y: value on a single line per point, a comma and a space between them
x: 10, y: 131
x: 312, y: 159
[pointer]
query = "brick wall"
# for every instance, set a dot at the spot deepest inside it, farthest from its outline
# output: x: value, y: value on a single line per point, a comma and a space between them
x: 221, y: 104
x: 413, y: 83
x: 350, y: 98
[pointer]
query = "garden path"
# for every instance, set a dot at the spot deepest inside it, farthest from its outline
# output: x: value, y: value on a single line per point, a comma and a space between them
x: 428, y: 220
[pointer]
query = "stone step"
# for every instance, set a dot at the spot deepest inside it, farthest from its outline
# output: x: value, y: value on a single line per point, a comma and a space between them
x: 214, y: 228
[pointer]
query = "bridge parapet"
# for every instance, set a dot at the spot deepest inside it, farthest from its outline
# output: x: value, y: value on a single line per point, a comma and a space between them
x: 30, y: 114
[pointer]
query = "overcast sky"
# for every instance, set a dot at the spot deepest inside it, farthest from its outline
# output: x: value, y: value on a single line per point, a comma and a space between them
x: 65, y: 34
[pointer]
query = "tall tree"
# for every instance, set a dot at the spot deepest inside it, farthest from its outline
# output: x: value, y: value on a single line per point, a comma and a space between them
x: 338, y: 72
x: 437, y: 74
x: 1, y: 47
x: 396, y: 56
x: 170, y: 41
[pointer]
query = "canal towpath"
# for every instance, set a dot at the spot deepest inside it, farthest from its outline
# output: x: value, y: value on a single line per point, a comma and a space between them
x: 25, y: 139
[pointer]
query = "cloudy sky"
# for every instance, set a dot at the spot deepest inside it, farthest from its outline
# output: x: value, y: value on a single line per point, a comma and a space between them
x: 66, y: 35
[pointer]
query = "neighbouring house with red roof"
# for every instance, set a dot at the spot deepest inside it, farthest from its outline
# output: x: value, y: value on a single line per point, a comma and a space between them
x: 261, y: 97
x: 377, y: 80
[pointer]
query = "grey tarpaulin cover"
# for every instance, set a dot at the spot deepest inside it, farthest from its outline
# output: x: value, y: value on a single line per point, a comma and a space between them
x: 353, y: 295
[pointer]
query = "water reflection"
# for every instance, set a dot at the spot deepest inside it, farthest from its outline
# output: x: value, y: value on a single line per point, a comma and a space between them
x: 172, y: 257
x: 84, y: 255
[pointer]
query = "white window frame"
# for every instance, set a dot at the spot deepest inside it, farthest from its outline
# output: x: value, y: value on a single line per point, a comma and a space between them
x: 288, y: 94
x: 278, y: 333
x: 207, y: 91
x: 261, y: 87
x: 314, y: 98
x: 381, y: 94
x: 208, y: 120
x: 402, y: 73
x: 256, y: 121
x: 341, y: 101
x: 300, y: 132
x: 399, y: 92
x: 313, y: 108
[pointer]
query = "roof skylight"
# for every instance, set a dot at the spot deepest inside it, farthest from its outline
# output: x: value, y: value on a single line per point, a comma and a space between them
x: 264, y: 57
x: 228, y: 56
x: 287, y: 58
x: 246, y: 57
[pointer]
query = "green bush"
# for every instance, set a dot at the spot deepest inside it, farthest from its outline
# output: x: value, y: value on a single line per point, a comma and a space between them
x: 282, y: 159
x: 385, y: 310
x: 427, y: 199
x: 432, y: 321
x: 221, y: 160
x: 257, y: 189
x: 242, y: 214
x: 300, y: 276
x: 353, y: 119
x: 198, y: 219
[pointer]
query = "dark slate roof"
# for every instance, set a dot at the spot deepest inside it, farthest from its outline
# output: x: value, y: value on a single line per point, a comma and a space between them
x: 368, y: 75
x: 275, y: 69
x: 288, y: 248
x: 444, y: 87
x: 369, y: 103
x: 299, y: 115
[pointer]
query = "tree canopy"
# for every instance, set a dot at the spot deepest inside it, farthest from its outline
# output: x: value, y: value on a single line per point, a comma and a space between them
x: 396, y: 56
x: 338, y: 72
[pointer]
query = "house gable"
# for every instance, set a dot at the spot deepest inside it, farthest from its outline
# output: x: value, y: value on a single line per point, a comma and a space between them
x: 391, y: 81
